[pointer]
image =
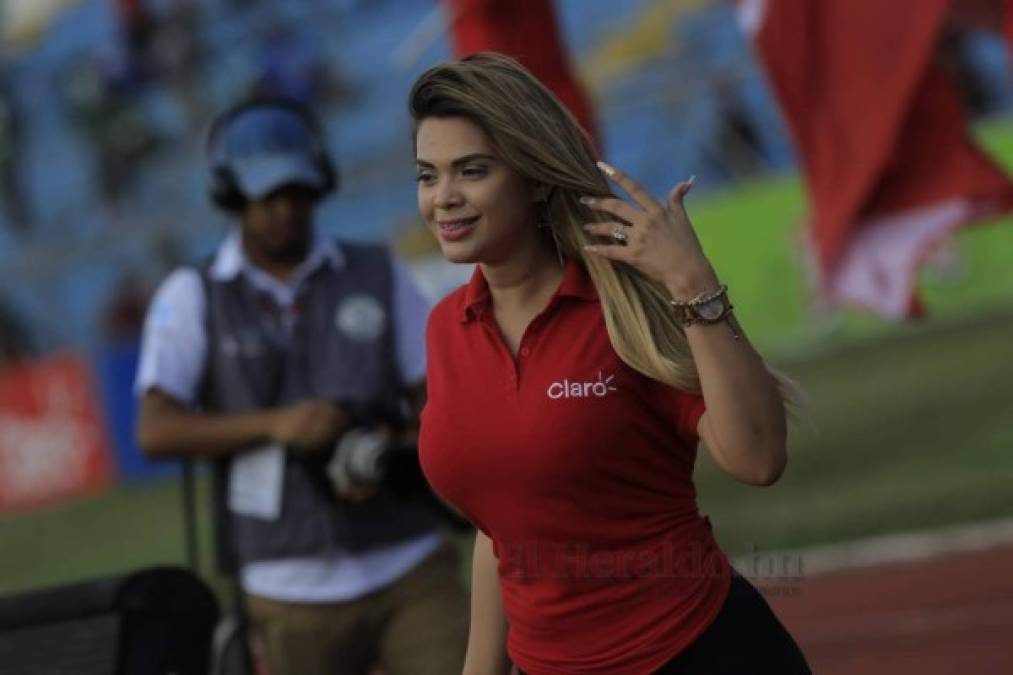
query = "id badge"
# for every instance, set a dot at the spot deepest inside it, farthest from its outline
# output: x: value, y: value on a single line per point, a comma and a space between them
x: 256, y: 481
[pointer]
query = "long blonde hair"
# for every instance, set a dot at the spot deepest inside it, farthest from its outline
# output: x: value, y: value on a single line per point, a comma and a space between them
x: 537, y: 137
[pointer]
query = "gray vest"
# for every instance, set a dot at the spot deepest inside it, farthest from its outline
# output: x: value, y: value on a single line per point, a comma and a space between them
x: 339, y: 348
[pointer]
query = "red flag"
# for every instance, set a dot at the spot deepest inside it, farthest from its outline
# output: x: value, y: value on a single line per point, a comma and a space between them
x: 882, y: 137
x: 526, y: 30
x: 992, y: 15
x: 1007, y: 22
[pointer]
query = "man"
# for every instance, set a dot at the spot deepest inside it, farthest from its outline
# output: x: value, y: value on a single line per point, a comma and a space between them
x: 264, y: 359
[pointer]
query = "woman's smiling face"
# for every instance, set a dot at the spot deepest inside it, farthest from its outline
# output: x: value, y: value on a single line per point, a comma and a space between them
x: 480, y: 209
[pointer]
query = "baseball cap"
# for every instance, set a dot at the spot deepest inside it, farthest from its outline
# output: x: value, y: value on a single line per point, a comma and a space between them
x: 268, y: 147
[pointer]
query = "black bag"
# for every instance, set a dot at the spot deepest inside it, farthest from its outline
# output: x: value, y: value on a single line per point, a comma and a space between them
x: 155, y: 621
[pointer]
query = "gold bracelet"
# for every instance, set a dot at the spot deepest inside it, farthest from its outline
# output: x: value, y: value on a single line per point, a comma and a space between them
x: 701, y: 298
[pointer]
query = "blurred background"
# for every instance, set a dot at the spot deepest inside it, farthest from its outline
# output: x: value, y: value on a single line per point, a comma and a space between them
x: 888, y: 297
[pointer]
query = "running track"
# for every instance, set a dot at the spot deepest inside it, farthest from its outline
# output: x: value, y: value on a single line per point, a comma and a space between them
x: 949, y: 615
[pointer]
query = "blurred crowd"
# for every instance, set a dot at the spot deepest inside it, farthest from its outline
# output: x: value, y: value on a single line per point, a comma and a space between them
x: 124, y: 107
x: 161, y: 49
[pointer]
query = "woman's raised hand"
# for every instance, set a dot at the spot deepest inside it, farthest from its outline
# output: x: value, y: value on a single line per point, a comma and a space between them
x: 657, y: 240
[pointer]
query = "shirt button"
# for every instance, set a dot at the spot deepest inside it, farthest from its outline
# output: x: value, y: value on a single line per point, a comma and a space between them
x: 525, y: 351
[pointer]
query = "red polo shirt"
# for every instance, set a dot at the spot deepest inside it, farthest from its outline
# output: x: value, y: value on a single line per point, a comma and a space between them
x: 580, y: 470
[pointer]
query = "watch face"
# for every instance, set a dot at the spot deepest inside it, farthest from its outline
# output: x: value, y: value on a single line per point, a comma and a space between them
x: 711, y: 311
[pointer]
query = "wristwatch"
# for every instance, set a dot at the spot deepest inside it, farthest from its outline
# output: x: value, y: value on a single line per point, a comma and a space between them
x: 706, y: 308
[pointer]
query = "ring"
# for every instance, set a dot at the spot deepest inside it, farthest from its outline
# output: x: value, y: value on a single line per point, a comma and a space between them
x: 619, y: 234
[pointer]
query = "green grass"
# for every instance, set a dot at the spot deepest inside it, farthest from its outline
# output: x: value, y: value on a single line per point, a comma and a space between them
x: 910, y: 425
x: 902, y: 433
x: 120, y: 530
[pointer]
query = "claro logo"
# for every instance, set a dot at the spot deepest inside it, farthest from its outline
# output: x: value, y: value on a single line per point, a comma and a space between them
x: 596, y: 389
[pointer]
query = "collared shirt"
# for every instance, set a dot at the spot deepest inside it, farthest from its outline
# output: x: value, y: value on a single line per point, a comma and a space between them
x: 579, y: 469
x: 173, y: 352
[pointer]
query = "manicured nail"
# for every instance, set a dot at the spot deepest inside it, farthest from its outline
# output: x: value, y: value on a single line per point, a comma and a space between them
x: 587, y: 201
x: 606, y: 169
x: 588, y: 227
x: 692, y: 179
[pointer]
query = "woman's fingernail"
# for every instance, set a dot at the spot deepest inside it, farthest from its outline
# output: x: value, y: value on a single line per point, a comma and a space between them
x: 588, y: 227
x: 606, y: 169
x: 692, y: 179
x: 586, y: 201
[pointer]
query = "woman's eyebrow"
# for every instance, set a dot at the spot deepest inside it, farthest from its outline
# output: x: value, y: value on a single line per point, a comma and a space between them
x: 460, y: 160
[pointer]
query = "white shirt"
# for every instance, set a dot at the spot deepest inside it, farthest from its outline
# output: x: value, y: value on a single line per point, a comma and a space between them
x: 173, y: 352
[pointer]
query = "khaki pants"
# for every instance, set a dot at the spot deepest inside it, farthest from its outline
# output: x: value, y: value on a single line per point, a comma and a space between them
x: 416, y: 626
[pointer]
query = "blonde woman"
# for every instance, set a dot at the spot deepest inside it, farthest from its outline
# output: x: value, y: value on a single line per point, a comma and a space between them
x: 568, y: 385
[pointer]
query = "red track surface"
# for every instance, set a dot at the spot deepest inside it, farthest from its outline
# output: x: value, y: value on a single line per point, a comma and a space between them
x: 949, y: 615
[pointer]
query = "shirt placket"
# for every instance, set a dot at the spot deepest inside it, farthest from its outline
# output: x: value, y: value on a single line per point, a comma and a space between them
x: 524, y: 352
x: 518, y: 365
x: 286, y: 300
x: 488, y: 324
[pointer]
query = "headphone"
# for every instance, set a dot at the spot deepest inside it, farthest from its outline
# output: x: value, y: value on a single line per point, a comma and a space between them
x: 223, y: 189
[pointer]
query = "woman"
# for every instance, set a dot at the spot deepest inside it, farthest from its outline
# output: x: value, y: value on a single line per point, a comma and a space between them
x: 567, y: 394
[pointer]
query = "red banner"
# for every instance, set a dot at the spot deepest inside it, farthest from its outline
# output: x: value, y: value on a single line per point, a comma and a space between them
x: 53, y: 444
x: 880, y: 128
x: 528, y: 31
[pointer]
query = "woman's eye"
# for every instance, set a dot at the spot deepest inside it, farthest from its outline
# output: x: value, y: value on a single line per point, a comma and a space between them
x: 424, y: 177
x: 474, y: 171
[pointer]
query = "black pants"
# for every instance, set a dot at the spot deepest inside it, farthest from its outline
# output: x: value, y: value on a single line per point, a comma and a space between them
x: 745, y: 639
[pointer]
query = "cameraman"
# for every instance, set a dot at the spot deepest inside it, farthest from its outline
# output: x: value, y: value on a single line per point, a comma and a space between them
x: 260, y: 361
